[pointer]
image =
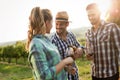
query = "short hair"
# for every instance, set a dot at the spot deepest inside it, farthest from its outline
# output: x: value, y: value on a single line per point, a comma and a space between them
x: 92, y: 6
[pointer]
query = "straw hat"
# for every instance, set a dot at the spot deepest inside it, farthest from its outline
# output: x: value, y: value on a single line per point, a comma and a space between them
x: 62, y: 16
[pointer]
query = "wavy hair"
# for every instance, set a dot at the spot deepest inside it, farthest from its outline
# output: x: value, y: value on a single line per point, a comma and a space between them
x: 37, y: 25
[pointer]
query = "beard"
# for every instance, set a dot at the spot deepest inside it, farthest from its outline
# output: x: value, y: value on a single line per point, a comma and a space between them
x: 61, y: 31
x: 94, y: 22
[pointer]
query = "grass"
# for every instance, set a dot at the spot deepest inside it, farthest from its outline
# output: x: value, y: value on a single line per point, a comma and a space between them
x: 84, y: 69
x: 18, y: 72
x: 14, y: 72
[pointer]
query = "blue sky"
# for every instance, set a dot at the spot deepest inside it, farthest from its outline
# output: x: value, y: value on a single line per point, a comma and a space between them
x: 14, y: 15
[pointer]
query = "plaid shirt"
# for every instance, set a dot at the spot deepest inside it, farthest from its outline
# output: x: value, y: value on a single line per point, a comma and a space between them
x: 104, y: 44
x: 43, y: 57
x: 63, y: 45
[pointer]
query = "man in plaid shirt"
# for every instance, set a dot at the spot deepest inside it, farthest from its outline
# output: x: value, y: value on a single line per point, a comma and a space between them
x: 102, y: 46
x: 63, y: 39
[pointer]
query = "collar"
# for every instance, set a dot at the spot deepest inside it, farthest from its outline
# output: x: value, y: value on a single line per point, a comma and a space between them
x: 39, y: 36
x: 59, y: 36
x: 102, y: 22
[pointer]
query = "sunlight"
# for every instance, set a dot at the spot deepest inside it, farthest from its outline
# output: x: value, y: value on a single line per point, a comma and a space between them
x: 77, y: 15
x: 104, y: 5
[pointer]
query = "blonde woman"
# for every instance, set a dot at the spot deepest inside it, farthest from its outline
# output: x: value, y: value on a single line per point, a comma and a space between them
x: 43, y: 56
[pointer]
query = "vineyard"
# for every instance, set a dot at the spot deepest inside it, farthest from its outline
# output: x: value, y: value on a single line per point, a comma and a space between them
x: 14, y: 64
x: 10, y: 52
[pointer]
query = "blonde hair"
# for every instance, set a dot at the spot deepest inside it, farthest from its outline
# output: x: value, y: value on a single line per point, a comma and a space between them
x: 37, y: 25
x: 47, y: 14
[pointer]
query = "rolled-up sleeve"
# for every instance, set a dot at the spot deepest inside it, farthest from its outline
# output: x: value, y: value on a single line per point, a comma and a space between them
x: 40, y: 65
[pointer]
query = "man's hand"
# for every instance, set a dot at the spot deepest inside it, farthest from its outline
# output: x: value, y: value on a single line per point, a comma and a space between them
x: 90, y: 56
x: 78, y: 53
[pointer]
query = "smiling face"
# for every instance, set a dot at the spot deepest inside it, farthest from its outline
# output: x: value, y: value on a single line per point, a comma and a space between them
x: 61, y: 27
x: 93, y: 16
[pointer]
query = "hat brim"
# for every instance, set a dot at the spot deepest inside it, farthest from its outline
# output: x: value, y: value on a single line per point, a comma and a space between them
x: 63, y: 20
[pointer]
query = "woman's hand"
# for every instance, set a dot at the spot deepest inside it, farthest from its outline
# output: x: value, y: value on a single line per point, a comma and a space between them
x: 68, y: 60
x: 70, y: 69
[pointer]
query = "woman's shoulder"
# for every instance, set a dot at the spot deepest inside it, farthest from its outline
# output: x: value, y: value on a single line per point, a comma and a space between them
x: 36, y: 42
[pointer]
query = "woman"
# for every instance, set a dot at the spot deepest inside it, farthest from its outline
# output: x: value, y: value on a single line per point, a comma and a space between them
x: 43, y: 56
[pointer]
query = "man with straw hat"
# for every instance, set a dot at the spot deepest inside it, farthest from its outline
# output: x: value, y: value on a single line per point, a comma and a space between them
x: 64, y: 39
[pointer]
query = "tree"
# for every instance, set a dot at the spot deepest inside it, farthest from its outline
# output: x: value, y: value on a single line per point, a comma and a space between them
x: 1, y: 52
x: 20, y: 51
x: 7, y: 53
